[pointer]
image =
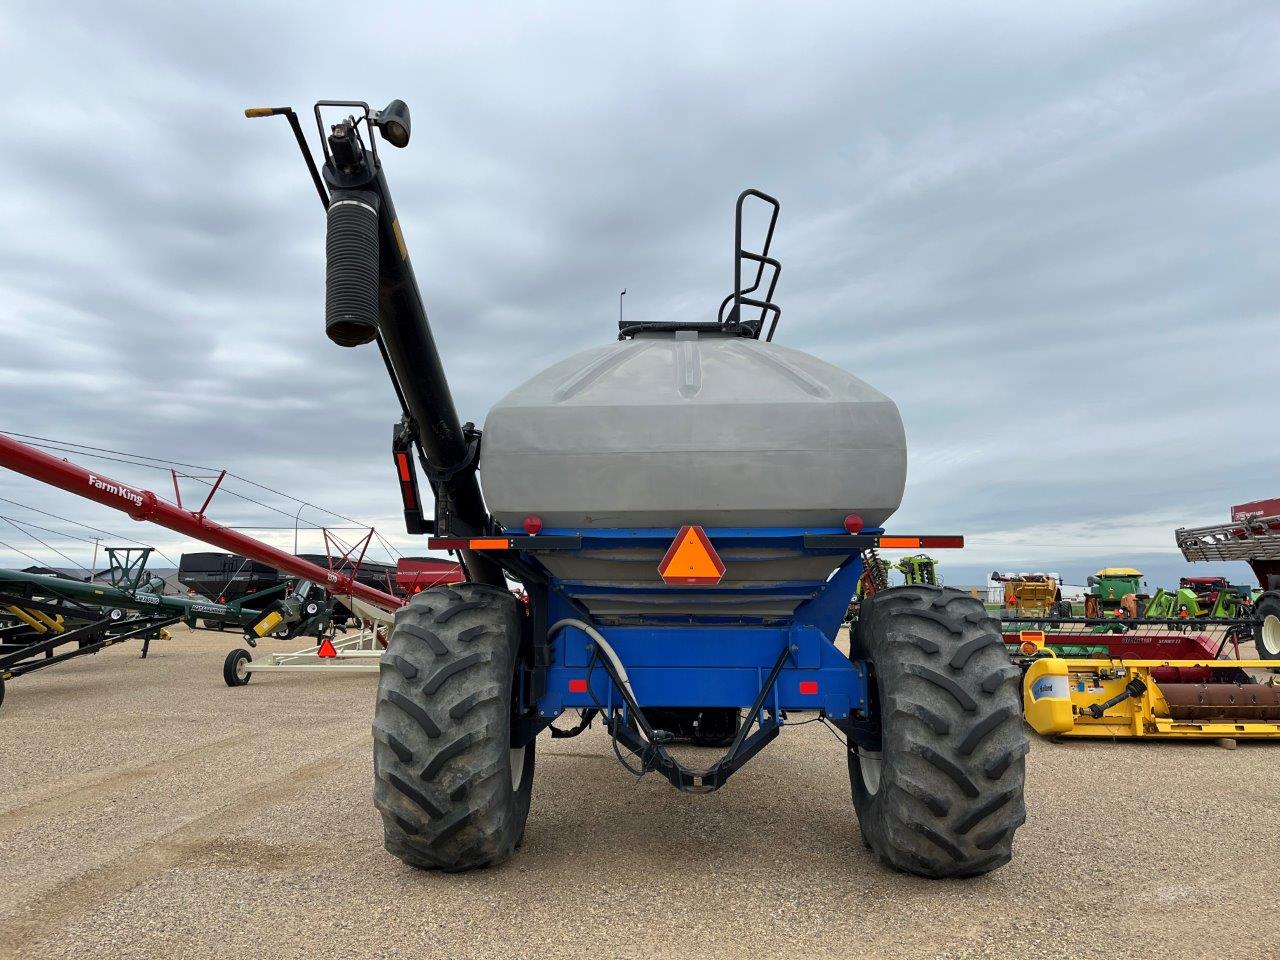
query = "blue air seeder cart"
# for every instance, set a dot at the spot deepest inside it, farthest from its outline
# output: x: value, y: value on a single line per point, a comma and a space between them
x: 687, y: 510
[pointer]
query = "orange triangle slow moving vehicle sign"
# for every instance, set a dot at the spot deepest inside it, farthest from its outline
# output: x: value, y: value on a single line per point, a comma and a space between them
x: 691, y: 559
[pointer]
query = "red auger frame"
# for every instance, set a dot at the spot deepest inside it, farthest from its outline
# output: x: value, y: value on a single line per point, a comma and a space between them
x: 144, y: 505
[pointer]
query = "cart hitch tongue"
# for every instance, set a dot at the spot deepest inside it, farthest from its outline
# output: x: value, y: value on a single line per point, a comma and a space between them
x: 654, y: 756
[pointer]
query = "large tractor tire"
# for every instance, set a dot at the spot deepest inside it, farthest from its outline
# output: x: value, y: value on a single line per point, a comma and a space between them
x: 1267, y: 639
x: 452, y: 792
x: 943, y: 794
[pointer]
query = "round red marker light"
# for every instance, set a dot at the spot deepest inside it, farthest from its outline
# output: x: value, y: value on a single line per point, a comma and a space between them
x: 532, y: 524
x: 853, y: 523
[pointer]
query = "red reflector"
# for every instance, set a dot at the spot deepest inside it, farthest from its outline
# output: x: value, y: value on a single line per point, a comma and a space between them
x: 406, y: 495
x: 447, y: 543
x: 326, y: 649
x: 577, y: 686
x: 808, y: 687
x: 532, y: 525
x: 915, y: 543
x: 853, y: 523
x: 402, y: 464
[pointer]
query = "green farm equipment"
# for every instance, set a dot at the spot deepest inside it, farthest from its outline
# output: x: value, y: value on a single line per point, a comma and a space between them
x: 1108, y: 589
x: 127, y: 585
x: 46, y: 620
x: 919, y: 569
x: 1200, y: 597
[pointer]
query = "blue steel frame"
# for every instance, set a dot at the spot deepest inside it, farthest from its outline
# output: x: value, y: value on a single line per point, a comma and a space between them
x: 714, y: 661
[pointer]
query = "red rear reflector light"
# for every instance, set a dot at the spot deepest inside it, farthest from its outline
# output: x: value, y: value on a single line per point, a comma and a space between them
x: 327, y: 649
x: 808, y: 687
x: 853, y: 523
x: 915, y: 543
x: 532, y: 525
x: 577, y: 686
x: 402, y: 464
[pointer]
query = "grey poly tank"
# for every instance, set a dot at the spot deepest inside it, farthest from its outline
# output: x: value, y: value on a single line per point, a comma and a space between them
x: 688, y: 427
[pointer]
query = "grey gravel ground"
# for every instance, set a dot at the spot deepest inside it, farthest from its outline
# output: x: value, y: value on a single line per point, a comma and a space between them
x: 150, y: 811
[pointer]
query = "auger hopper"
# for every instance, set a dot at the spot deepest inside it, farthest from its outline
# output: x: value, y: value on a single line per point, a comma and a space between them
x: 685, y: 510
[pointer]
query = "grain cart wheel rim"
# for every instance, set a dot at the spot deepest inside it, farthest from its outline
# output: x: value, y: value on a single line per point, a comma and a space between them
x: 870, y: 765
x: 948, y: 794
x: 515, y: 759
x: 453, y: 792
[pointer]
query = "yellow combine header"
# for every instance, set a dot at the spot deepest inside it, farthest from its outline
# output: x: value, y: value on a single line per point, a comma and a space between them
x: 1149, y: 698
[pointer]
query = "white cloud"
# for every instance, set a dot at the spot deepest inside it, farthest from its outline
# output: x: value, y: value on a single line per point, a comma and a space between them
x: 1049, y: 234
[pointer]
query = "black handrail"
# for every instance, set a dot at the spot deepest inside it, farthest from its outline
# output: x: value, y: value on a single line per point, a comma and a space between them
x: 733, y: 321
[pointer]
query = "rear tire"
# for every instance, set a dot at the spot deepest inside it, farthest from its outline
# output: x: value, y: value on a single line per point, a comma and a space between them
x: 452, y: 792
x: 1267, y: 639
x: 943, y: 795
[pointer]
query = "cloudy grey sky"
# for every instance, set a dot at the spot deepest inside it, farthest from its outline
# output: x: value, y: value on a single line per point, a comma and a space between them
x: 1051, y: 236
